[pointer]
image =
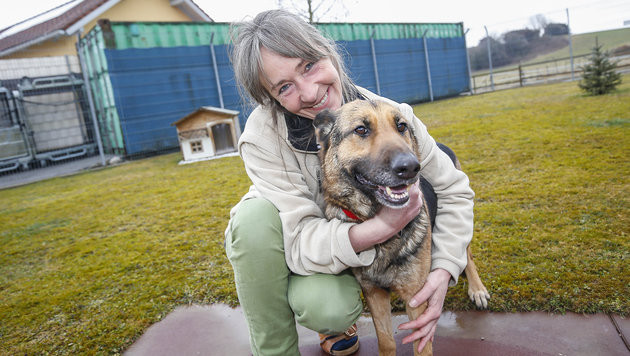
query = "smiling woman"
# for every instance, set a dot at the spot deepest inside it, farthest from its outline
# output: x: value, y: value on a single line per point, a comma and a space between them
x: 290, y: 262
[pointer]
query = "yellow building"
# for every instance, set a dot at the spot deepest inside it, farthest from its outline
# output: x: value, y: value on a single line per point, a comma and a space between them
x: 54, y: 33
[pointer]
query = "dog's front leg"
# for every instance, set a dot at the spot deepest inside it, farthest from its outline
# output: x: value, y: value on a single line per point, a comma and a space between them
x: 379, y: 304
x: 413, y: 314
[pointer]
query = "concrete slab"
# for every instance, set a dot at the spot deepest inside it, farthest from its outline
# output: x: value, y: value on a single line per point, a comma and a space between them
x: 569, y: 334
x: 623, y: 326
x: 11, y: 180
x: 221, y: 330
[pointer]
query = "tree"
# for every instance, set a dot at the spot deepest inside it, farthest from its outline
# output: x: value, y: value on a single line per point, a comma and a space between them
x: 515, y: 44
x: 599, y: 76
x: 479, y: 55
x: 315, y: 10
x: 538, y: 22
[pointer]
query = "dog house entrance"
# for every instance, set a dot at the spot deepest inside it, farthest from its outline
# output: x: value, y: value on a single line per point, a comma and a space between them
x: 222, y: 135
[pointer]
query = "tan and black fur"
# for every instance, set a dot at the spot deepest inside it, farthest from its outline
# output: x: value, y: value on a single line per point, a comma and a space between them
x: 366, y: 146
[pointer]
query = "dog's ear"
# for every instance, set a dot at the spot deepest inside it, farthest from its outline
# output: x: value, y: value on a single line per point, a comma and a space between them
x: 324, y: 123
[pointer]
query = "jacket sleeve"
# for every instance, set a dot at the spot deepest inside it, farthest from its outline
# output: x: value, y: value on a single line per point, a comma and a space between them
x: 453, y: 228
x: 312, y: 243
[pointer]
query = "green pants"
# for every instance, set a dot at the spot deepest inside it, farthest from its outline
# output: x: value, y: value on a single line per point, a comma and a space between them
x: 273, y: 298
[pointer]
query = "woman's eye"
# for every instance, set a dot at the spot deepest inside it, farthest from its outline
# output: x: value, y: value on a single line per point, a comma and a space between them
x: 402, y: 127
x: 283, y: 88
x: 361, y: 131
x: 309, y: 66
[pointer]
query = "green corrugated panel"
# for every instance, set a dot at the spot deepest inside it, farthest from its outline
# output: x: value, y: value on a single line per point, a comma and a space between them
x: 168, y: 34
x: 92, y: 47
x: 386, y: 31
x: 174, y: 34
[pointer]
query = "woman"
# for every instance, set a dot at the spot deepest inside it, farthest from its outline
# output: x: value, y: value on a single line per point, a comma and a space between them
x: 289, y: 262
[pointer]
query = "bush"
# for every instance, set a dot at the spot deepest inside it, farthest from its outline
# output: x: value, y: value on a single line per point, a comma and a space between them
x: 599, y: 75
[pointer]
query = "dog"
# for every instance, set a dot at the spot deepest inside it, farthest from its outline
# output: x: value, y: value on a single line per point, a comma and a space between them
x: 369, y: 158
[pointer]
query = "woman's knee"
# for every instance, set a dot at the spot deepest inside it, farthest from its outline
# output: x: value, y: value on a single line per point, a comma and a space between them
x: 256, y: 224
x: 328, y: 304
x: 255, y: 232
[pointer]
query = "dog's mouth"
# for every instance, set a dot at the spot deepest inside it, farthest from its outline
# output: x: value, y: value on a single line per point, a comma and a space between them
x: 393, y: 196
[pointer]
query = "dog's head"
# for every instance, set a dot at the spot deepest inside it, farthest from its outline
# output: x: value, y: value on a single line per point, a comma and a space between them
x: 368, y: 151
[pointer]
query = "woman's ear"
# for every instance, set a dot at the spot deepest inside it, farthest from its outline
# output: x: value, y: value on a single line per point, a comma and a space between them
x: 324, y: 123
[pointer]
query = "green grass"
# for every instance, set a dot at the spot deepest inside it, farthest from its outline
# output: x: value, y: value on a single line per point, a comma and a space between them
x: 584, y: 43
x: 88, y: 262
x: 550, y: 170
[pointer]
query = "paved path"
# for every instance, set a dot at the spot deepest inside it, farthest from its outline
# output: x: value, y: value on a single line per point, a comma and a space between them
x: 14, y: 179
x: 220, y: 330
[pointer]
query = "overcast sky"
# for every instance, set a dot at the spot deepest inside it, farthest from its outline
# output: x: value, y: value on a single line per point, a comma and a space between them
x: 497, y: 15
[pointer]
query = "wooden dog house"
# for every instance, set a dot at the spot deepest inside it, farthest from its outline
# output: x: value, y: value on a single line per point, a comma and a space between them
x: 208, y: 132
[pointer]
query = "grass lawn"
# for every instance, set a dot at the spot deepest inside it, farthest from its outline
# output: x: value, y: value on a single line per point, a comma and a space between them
x: 584, y: 43
x: 88, y: 262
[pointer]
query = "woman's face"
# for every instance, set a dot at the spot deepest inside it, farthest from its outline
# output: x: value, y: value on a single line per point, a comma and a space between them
x: 303, y: 88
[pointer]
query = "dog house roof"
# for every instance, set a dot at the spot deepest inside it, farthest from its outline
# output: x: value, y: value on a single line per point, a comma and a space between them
x: 210, y: 109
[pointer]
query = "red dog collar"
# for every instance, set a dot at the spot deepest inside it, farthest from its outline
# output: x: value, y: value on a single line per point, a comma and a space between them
x: 350, y: 214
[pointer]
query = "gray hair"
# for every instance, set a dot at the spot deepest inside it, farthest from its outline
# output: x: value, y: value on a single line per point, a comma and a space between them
x: 287, y: 35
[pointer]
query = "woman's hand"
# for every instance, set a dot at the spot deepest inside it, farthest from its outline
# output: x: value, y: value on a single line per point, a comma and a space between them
x: 386, y: 223
x: 434, y: 290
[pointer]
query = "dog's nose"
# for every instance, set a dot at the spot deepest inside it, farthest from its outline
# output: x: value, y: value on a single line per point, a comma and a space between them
x: 405, y: 165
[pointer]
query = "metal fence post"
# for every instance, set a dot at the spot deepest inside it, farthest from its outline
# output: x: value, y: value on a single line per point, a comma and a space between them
x: 570, y: 45
x: 378, y: 84
x: 489, y: 58
x: 470, y: 80
x: 216, y: 70
x: 426, y: 58
x: 88, y: 88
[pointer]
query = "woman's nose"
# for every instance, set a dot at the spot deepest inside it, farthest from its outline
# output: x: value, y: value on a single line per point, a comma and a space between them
x: 308, y: 93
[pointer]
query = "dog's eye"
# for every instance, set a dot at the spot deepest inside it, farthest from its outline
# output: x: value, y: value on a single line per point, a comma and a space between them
x: 401, y: 127
x: 361, y: 131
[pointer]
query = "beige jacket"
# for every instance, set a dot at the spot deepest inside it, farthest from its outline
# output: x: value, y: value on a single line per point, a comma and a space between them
x: 287, y: 177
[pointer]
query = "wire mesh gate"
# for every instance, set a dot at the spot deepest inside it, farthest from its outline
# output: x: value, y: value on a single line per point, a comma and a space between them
x: 44, y: 120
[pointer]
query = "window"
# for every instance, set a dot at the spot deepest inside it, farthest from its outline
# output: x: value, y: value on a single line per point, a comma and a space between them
x: 196, y: 146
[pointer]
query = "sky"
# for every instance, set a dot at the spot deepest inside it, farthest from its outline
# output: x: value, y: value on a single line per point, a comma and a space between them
x: 497, y: 15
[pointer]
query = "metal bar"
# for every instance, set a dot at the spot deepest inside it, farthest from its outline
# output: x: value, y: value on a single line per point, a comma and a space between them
x: 470, y: 80
x: 99, y: 104
x: 90, y: 99
x: 570, y: 46
x: 489, y: 58
x: 426, y: 59
x: 216, y: 70
x: 378, y: 84
x: 77, y: 104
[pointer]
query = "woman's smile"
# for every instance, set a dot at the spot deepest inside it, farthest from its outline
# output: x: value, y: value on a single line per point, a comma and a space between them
x: 322, y: 102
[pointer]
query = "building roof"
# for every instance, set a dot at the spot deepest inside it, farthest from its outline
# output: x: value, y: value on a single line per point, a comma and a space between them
x: 206, y: 109
x: 67, y: 19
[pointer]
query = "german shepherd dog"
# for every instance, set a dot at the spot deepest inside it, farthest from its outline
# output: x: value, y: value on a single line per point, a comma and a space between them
x: 369, y: 158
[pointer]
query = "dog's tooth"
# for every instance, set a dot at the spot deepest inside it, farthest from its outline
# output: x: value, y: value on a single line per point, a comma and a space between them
x: 389, y: 191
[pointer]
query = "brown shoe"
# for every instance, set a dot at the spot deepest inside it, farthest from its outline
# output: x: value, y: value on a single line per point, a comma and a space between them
x: 341, y: 344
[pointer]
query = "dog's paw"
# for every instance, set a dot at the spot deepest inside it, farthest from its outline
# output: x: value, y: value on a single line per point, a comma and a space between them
x: 479, y: 297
